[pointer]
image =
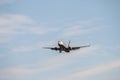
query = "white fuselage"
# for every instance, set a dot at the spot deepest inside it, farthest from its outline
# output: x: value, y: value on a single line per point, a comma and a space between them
x: 61, y: 44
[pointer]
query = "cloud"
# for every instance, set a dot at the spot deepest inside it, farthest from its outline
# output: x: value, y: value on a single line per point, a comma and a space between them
x: 2, y: 56
x: 8, y: 73
x: 12, y: 19
x: 10, y: 23
x: 80, y: 28
x: 23, y: 49
x: 38, y: 30
x: 17, y: 24
x: 59, y: 62
x: 2, y: 2
x: 93, y: 70
x: 4, y: 39
x: 32, y: 47
x: 16, y: 71
x: 45, y: 65
x: 76, y: 30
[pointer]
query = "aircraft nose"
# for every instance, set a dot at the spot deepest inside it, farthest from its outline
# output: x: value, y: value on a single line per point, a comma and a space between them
x: 60, y: 43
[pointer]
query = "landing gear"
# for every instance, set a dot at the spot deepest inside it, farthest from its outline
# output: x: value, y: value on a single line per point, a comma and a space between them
x: 60, y: 51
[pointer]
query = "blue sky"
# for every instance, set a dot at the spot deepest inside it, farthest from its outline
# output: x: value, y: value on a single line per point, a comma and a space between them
x: 28, y: 25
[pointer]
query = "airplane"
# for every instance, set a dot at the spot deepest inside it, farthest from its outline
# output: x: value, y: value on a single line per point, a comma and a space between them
x: 63, y: 47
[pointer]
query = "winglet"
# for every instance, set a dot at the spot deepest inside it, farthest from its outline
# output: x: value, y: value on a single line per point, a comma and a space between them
x: 69, y: 43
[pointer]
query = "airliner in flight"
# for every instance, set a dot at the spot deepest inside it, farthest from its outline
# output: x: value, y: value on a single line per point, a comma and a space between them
x: 62, y: 47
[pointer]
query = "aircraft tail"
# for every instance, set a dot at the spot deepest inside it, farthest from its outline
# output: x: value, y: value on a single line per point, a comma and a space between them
x: 69, y: 45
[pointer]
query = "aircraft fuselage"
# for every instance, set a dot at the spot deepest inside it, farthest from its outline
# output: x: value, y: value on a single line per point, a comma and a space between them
x: 63, y: 47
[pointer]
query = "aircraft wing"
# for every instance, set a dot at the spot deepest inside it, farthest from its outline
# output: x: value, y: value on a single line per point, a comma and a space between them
x: 55, y: 48
x: 75, y: 48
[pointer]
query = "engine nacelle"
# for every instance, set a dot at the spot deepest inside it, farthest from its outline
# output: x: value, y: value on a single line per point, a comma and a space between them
x: 69, y: 48
x: 56, y: 48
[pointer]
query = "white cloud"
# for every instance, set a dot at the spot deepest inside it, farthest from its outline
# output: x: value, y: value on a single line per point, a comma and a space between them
x: 7, y: 73
x: 54, y: 63
x: 14, y: 19
x: 80, y: 28
x: 23, y: 49
x: 58, y: 62
x: 9, y: 23
x: 6, y: 1
x: 4, y: 39
x: 28, y: 48
x: 17, y: 24
x: 2, y: 56
x: 38, y: 30
x: 16, y: 71
x: 93, y: 70
x: 76, y: 30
